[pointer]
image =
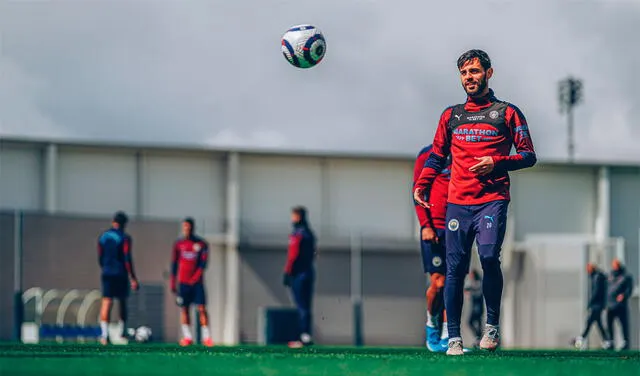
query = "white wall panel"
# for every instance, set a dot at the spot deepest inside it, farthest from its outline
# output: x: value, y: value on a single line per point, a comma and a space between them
x: 179, y: 185
x: 21, y: 185
x: 373, y: 196
x: 550, y: 199
x: 625, y: 212
x: 270, y: 186
x: 96, y: 181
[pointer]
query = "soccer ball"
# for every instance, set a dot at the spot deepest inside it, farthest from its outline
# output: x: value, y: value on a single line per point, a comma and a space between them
x: 143, y: 334
x: 303, y: 46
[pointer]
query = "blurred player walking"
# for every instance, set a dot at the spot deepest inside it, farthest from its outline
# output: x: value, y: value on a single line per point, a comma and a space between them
x: 596, y: 304
x: 478, y: 135
x: 299, y: 272
x: 117, y: 273
x: 432, y: 246
x: 620, y: 288
x: 188, y: 262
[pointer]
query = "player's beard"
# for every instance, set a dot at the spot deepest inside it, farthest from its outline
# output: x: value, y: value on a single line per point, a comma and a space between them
x: 480, y: 86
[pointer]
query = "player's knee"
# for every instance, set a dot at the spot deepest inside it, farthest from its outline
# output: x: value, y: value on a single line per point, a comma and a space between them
x: 202, y: 308
x: 437, y: 281
x: 490, y: 263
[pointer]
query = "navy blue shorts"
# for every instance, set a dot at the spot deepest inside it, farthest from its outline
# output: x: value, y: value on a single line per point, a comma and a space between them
x: 484, y: 223
x: 115, y: 287
x: 434, y: 254
x: 191, y: 294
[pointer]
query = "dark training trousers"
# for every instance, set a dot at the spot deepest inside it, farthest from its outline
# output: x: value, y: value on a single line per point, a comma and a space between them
x: 486, y: 224
x: 622, y: 314
x: 302, y: 290
x: 595, y: 316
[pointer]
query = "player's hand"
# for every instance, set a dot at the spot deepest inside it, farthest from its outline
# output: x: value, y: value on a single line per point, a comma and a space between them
x: 484, y: 166
x: 135, y: 285
x: 429, y: 235
x: 174, y: 290
x: 286, y: 280
x: 418, y: 195
x: 619, y: 298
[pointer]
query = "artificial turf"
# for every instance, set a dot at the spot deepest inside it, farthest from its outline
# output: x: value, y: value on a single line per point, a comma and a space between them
x: 154, y: 360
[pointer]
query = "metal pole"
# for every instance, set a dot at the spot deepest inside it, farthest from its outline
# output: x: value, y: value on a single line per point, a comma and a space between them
x: 18, y: 307
x: 570, y: 138
x: 356, y: 288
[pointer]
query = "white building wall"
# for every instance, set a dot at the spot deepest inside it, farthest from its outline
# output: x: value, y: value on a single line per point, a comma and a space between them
x: 270, y: 186
x: 21, y: 177
x: 554, y: 199
x: 372, y: 196
x: 95, y: 181
x: 175, y: 185
x: 625, y: 213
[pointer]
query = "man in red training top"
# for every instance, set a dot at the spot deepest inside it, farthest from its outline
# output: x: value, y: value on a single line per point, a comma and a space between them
x: 188, y: 261
x: 432, y: 246
x: 478, y: 135
x: 299, y: 272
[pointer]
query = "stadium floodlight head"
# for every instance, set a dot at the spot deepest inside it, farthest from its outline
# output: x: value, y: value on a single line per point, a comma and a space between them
x: 569, y: 95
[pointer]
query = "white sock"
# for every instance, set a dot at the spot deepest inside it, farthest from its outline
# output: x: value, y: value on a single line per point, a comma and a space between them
x: 104, y: 329
x: 430, y: 320
x: 445, y: 331
x: 186, y: 331
x: 205, y: 332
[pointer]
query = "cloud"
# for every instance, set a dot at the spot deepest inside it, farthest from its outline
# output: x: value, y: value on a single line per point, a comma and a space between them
x: 212, y: 70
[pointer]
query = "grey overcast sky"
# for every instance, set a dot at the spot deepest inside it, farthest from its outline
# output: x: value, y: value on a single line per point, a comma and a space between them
x: 212, y: 72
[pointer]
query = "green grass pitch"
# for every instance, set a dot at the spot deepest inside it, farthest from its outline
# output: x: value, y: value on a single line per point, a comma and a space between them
x: 155, y: 360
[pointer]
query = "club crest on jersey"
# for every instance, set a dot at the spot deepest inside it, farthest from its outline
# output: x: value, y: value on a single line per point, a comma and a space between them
x: 494, y: 114
x: 196, y: 247
x: 436, y: 261
x: 453, y: 225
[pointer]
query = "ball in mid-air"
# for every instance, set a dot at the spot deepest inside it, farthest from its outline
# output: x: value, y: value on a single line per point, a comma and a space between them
x: 303, y: 46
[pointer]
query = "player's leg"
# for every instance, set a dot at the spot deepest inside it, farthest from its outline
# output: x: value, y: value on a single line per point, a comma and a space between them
x: 302, y: 289
x: 123, y: 296
x: 603, y: 332
x: 459, y: 238
x: 491, y: 224
x: 306, y: 305
x: 201, y: 302
x: 184, y: 301
x: 623, y: 316
x: 435, y: 308
x: 610, y: 329
x: 105, y: 308
x: 433, y: 265
x: 580, y: 342
x: 441, y: 272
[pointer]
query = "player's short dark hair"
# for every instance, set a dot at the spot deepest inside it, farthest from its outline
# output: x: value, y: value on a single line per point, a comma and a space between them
x: 301, y: 211
x: 482, y: 56
x: 120, y: 218
x: 191, y: 222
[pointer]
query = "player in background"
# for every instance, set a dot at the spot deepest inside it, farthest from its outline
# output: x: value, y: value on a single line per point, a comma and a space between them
x: 620, y: 288
x: 479, y: 135
x: 474, y: 290
x: 595, y: 306
x: 188, y: 262
x: 117, y: 272
x: 299, y: 273
x: 432, y: 247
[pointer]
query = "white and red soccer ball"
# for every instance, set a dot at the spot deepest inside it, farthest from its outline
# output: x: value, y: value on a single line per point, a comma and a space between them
x: 303, y: 46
